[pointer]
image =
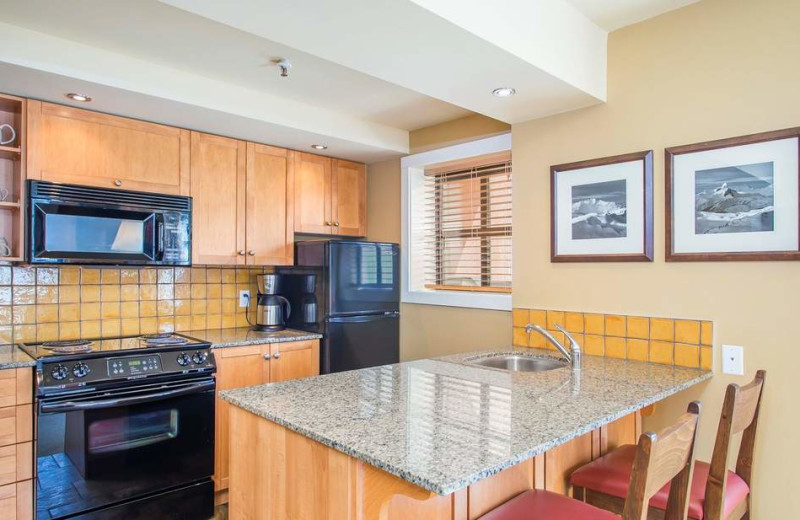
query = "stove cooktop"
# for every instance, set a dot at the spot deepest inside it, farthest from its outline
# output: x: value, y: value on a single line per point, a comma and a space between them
x: 77, y: 348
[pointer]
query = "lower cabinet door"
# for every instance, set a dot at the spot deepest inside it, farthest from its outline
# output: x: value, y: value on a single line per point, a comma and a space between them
x: 294, y: 360
x: 16, y: 501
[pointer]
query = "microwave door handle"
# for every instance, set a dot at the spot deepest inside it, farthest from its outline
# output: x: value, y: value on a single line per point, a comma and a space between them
x: 160, y: 236
x: 74, y: 406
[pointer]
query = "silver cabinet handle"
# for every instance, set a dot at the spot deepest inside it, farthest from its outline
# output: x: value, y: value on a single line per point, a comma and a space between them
x: 241, y: 252
x: 336, y: 223
x: 328, y: 223
x: 277, y: 355
x: 117, y: 182
x: 251, y: 253
x: 266, y: 356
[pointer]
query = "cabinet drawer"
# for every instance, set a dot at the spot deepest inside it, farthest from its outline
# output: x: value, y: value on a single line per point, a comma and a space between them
x: 16, y: 424
x: 16, y: 386
x: 16, y: 463
x: 16, y: 501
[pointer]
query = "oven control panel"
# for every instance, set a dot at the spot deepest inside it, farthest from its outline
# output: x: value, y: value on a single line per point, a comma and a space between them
x: 68, y: 373
x: 134, y: 366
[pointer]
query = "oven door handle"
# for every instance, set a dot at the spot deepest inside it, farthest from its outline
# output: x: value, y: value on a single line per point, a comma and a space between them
x: 73, y: 406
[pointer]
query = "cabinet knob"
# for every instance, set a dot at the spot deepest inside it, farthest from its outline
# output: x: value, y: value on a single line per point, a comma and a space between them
x: 266, y: 356
x: 241, y: 253
x: 277, y: 355
x: 328, y: 223
x: 336, y: 224
x: 117, y: 182
x: 251, y: 253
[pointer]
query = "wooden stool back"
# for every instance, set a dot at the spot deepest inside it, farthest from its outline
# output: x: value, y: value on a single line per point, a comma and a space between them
x: 662, y: 458
x: 739, y: 414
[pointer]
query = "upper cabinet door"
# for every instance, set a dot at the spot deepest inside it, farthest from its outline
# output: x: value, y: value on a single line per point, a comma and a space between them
x: 312, y: 190
x: 270, y: 205
x: 349, y: 198
x: 77, y: 146
x: 218, y: 193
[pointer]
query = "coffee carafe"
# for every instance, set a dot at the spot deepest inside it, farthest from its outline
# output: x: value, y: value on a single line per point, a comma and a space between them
x: 273, y: 309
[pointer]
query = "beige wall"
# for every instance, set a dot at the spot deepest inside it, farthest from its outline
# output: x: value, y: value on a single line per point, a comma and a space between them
x: 432, y: 330
x: 453, y: 132
x: 716, y: 69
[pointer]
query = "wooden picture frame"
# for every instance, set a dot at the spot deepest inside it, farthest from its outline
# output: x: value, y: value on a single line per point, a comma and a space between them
x: 788, y: 169
x: 639, y: 244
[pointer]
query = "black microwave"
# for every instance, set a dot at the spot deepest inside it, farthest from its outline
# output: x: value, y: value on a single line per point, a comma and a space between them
x: 84, y: 225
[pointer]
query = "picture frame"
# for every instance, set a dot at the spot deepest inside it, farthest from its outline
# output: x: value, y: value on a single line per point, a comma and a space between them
x: 602, y: 209
x: 735, y: 199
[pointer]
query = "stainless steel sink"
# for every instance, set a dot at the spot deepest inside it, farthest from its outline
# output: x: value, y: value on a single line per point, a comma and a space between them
x: 517, y: 363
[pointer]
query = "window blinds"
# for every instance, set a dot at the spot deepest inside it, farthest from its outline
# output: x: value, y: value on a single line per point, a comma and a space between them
x: 468, y: 227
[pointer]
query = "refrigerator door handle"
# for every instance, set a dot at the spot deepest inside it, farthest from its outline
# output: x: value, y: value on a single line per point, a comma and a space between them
x: 363, y: 318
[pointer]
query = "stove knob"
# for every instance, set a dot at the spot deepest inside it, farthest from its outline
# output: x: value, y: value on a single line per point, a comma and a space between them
x: 183, y: 359
x: 59, y: 372
x: 81, y: 370
x: 199, y: 357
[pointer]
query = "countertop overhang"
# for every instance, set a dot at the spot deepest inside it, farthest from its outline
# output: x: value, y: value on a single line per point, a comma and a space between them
x: 443, y: 424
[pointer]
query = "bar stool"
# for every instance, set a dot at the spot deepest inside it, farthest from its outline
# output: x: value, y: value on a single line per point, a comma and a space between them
x: 716, y: 493
x: 660, y: 459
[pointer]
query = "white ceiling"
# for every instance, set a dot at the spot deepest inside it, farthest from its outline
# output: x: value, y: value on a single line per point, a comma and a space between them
x: 365, y: 72
x: 614, y: 14
x: 153, y: 31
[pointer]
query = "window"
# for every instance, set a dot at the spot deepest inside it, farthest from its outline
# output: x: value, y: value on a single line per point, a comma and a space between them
x: 469, y: 225
x: 456, y: 225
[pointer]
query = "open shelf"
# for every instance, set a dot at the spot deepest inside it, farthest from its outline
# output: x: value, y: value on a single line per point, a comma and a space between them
x: 12, y: 177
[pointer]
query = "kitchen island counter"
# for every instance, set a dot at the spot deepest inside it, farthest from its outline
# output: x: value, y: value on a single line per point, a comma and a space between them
x: 445, y: 424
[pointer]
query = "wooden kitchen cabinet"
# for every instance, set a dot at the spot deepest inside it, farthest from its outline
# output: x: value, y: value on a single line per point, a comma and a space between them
x: 330, y: 196
x: 16, y: 443
x: 242, y: 194
x: 239, y: 367
x: 349, y: 198
x: 270, y: 198
x: 75, y: 146
x: 294, y: 360
x: 218, y: 167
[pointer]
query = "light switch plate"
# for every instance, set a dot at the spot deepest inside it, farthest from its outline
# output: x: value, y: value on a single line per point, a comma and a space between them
x: 732, y: 360
x: 244, y: 298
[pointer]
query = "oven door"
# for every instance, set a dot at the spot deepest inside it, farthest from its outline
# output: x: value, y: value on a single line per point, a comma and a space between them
x: 85, y: 233
x: 106, y: 448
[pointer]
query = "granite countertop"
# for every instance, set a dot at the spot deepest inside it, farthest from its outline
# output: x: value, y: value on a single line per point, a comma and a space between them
x: 238, y: 337
x: 12, y: 357
x: 443, y: 424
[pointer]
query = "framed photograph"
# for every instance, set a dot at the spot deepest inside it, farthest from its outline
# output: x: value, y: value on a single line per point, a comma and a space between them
x: 602, y: 209
x: 734, y: 199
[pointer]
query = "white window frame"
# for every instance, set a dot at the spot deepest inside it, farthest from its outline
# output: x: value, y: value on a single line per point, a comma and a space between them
x: 412, y: 169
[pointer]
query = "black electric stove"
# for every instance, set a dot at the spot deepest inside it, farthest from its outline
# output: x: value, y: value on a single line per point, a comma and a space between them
x: 125, y: 428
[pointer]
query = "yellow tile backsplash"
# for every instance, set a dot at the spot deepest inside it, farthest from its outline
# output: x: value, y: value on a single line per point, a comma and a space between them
x: 49, y: 303
x: 680, y: 342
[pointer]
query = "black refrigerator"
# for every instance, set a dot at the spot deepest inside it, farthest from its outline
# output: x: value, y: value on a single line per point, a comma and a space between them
x: 349, y: 291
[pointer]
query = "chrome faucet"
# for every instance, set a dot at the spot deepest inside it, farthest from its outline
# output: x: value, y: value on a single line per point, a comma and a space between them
x: 573, y: 355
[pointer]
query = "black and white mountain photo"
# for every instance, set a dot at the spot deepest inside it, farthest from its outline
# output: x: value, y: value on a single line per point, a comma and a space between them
x: 735, y: 199
x: 599, y: 210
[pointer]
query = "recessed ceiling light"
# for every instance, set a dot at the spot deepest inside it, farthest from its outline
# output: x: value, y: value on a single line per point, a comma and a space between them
x: 319, y: 147
x: 79, y: 97
x: 504, y: 92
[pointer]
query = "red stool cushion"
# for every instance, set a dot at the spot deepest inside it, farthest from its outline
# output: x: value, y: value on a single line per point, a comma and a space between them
x: 611, y: 475
x: 544, y: 505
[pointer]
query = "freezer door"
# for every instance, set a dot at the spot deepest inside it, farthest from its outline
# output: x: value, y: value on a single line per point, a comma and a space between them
x: 363, y: 278
x: 355, y: 342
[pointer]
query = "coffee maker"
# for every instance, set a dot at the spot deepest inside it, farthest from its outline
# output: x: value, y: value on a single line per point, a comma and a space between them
x: 272, y: 309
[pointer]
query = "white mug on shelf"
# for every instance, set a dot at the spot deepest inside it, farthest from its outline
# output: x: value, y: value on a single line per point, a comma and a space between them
x: 5, y: 249
x: 13, y: 134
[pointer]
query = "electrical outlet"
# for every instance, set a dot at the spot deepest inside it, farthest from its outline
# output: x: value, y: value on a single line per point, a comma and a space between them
x: 244, y: 298
x: 732, y: 360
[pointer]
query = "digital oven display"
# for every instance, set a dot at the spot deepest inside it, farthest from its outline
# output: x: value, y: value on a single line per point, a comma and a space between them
x: 134, y: 366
